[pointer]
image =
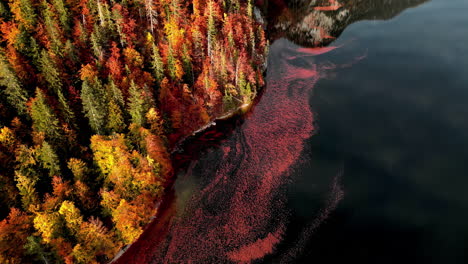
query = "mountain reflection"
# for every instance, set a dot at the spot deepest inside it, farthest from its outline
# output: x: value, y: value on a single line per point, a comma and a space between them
x: 320, y: 22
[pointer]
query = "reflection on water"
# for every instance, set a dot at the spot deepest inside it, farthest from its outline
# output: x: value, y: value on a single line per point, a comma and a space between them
x: 320, y: 22
x: 356, y: 151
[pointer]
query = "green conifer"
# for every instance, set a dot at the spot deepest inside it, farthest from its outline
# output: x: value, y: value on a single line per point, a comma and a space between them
x: 15, y: 93
x: 44, y: 119
x: 94, y: 104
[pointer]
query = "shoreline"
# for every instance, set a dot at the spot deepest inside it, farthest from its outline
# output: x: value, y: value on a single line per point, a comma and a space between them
x: 167, y: 198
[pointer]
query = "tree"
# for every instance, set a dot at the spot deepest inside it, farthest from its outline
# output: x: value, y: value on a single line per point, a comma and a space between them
x: 50, y: 72
x: 27, y: 190
x: 15, y: 93
x: 96, y: 43
x: 48, y: 224
x: 23, y: 12
x: 114, y: 93
x: 155, y: 121
x: 78, y: 168
x: 63, y: 12
x: 151, y: 14
x: 96, y: 240
x: 8, y: 138
x: 72, y: 215
x: 136, y: 104
x: 52, y: 28
x: 113, y: 64
x: 44, y: 119
x: 213, y: 14
x: 14, y: 229
x: 157, y: 64
x: 94, y: 105
x: 61, y: 188
x: 49, y: 159
x: 115, y: 121
x: 128, y: 221
x: 52, y: 76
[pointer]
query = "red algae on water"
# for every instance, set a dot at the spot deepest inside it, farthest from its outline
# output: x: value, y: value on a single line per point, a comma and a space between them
x: 256, y: 250
x: 316, y: 51
x: 239, y: 214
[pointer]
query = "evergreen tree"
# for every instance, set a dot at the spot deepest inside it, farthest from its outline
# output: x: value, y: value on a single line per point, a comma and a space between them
x: 115, y: 94
x: 94, y: 104
x: 136, y: 104
x: 211, y: 32
x: 49, y: 159
x: 171, y: 64
x: 50, y: 72
x: 187, y: 62
x: 63, y: 12
x: 65, y: 108
x: 157, y: 64
x: 27, y: 190
x: 52, y: 28
x: 15, y: 93
x: 44, y: 119
x: 96, y: 43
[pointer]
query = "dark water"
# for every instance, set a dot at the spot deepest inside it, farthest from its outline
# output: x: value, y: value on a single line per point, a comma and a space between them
x: 397, y: 122
x: 355, y: 152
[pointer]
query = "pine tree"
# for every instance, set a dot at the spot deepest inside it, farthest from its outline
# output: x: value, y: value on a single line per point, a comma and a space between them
x: 115, y: 94
x: 15, y: 93
x: 52, y: 76
x: 26, y: 186
x: 151, y: 14
x: 94, y: 105
x: 96, y: 43
x: 187, y: 65
x: 52, y: 28
x: 157, y: 64
x: 49, y: 159
x: 172, y: 64
x: 63, y: 12
x: 49, y: 71
x: 136, y: 104
x: 44, y: 119
x: 212, y: 12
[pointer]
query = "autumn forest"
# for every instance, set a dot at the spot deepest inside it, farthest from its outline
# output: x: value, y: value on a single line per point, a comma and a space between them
x: 94, y: 95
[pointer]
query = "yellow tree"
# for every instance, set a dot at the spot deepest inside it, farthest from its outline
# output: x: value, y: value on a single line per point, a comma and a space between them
x: 48, y: 225
x: 72, y: 215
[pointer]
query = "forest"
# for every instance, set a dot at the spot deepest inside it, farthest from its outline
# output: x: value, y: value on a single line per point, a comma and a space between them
x: 94, y: 94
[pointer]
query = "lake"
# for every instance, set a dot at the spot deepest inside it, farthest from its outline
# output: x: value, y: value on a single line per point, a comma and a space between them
x: 356, y: 150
